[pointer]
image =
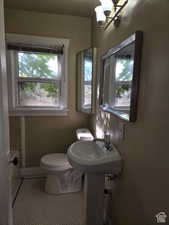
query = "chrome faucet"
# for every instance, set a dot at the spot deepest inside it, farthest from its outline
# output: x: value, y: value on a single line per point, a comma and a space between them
x: 106, y: 141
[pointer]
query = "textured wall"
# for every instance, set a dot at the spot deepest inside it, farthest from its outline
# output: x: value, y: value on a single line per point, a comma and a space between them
x: 142, y: 190
x: 51, y: 134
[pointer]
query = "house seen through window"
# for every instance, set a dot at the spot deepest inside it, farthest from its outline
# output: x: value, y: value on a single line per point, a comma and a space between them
x: 38, y: 79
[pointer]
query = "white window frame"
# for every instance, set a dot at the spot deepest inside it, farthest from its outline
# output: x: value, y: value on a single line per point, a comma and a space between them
x: 14, y: 108
x: 128, y: 83
x: 87, y: 107
x: 111, y: 85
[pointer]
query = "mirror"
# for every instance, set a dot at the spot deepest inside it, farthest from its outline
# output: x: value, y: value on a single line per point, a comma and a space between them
x: 120, y: 78
x: 86, y: 79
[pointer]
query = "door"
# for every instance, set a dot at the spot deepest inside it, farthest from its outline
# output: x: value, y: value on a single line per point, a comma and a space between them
x: 5, y: 206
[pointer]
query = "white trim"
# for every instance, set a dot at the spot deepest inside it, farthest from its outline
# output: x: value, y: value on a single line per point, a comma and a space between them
x: 65, y: 72
x: 40, y: 80
x: 36, y: 40
x: 23, y: 142
x: 38, y: 111
x: 90, y: 108
x: 6, y: 217
x: 86, y: 109
x: 32, y: 172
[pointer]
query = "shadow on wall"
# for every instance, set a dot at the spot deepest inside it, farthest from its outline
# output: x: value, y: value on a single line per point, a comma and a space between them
x: 50, y: 136
x: 45, y: 135
x: 105, y: 123
x: 141, y: 192
x: 121, y: 203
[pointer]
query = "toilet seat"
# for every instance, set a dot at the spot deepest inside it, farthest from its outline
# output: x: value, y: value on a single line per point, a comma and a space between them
x: 55, y: 162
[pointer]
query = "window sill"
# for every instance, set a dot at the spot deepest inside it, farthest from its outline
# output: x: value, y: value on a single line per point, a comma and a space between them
x: 38, y: 112
x: 86, y: 109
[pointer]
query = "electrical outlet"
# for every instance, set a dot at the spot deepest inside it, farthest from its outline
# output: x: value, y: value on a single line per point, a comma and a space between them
x: 121, y: 131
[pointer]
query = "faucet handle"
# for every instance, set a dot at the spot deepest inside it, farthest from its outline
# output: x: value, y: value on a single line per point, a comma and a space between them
x: 108, y: 143
x: 107, y: 137
x: 110, y: 147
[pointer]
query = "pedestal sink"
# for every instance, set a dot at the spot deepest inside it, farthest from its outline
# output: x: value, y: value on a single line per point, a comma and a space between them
x: 94, y: 160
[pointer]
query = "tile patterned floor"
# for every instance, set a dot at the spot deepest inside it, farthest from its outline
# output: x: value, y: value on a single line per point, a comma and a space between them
x: 35, y: 207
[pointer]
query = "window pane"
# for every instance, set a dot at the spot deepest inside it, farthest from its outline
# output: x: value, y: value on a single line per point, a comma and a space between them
x: 87, y: 70
x: 87, y: 94
x: 123, y: 93
x: 38, y: 65
x: 87, y: 79
x: 38, y: 94
x: 107, y: 82
x: 124, y: 69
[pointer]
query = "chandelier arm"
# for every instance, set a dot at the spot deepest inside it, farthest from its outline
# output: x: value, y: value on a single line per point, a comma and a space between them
x: 119, y: 6
x: 116, y: 14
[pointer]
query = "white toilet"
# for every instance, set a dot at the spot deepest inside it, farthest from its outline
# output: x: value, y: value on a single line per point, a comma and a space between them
x: 60, y: 176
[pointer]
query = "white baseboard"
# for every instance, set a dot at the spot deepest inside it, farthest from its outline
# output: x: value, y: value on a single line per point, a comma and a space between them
x: 32, y: 172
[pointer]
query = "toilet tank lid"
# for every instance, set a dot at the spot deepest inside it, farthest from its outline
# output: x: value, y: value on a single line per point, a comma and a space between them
x: 84, y: 134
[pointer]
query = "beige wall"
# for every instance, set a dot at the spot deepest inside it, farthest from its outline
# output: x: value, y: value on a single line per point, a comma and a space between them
x: 51, y: 134
x: 142, y: 190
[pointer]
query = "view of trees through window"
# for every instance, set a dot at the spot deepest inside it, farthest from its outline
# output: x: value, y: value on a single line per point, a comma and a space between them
x: 123, y: 73
x: 87, y: 81
x: 38, y: 81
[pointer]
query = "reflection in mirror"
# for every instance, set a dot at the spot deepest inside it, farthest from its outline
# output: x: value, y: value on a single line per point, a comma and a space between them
x: 123, y: 78
x: 86, y: 80
x: 121, y: 67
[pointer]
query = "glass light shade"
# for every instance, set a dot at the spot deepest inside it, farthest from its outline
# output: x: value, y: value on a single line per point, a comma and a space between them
x: 107, y: 5
x: 100, y: 17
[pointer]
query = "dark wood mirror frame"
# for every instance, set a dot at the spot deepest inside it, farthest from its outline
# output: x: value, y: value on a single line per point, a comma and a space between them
x: 136, y: 39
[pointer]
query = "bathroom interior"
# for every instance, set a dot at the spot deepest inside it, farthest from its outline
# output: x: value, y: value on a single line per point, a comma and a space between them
x: 87, y: 147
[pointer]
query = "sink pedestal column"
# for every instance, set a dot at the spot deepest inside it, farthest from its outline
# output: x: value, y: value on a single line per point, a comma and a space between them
x: 94, y: 198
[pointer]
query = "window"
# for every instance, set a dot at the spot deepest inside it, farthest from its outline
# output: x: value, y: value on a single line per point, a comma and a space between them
x: 37, y: 75
x: 119, y: 80
x: 123, y: 80
x: 118, y: 73
x: 87, y: 82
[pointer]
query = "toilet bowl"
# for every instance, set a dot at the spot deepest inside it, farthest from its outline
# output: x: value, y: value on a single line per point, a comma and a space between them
x: 60, y: 176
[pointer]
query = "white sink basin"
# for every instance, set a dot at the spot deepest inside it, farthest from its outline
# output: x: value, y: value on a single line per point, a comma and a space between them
x: 92, y: 157
x: 94, y: 160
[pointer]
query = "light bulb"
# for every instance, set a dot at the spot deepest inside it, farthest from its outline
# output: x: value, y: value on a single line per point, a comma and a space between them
x: 107, y: 6
x: 100, y: 17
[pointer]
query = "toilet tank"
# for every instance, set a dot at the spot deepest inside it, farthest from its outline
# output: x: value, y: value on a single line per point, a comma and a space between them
x: 84, y: 134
